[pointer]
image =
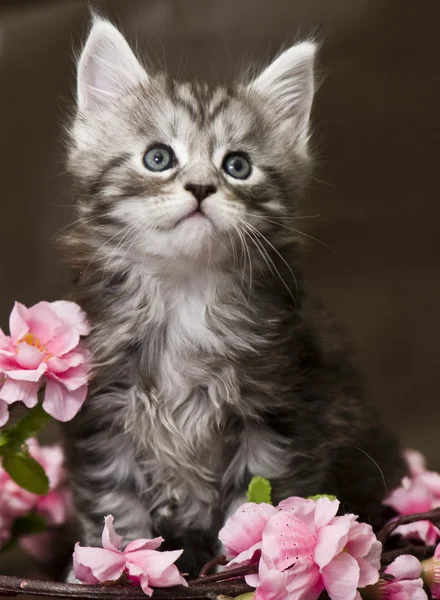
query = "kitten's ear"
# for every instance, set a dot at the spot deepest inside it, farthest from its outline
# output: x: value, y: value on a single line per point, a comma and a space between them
x: 288, y: 84
x: 106, y: 68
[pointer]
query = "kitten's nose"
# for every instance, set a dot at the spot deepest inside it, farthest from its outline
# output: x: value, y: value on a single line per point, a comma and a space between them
x: 199, y: 191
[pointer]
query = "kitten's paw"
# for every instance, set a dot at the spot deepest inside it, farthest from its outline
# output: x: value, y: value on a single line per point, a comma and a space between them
x: 70, y: 577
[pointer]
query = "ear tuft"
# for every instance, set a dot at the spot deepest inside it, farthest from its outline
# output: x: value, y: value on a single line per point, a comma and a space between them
x: 107, y: 67
x: 288, y: 84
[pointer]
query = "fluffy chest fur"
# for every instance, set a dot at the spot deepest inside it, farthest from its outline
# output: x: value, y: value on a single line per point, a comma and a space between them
x: 188, y: 352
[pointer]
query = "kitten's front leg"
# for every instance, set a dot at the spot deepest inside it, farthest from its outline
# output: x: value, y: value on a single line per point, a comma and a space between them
x: 105, y: 476
x: 191, y: 525
x: 93, y: 502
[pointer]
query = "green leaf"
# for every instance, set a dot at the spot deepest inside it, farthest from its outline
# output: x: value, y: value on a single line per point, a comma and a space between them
x: 319, y: 496
x: 31, y: 423
x: 31, y: 523
x: 27, y: 472
x: 259, y: 490
x: 247, y: 596
x: 12, y: 438
x: 5, y: 440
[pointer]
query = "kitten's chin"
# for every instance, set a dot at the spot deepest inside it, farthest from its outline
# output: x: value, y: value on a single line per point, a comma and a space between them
x: 195, y: 238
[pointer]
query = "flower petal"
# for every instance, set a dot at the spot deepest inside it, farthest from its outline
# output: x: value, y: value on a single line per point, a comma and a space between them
x: 252, y: 555
x: 361, y: 539
x: 64, y: 339
x: 431, y: 480
x: 58, y: 365
x: 143, y: 544
x: 416, y: 461
x: 5, y: 340
x: 152, y: 562
x: 421, y: 530
x: 55, y: 507
x: 287, y: 541
x: 110, y: 539
x: 253, y: 579
x: 61, y: 403
x: 341, y: 577
x: 83, y: 573
x: 71, y: 313
x: 28, y: 357
x: 326, y: 510
x: 144, y: 581
x: 411, y: 497
x: 105, y: 565
x: 19, y: 322
x: 245, y: 527
x: 27, y: 374
x: 43, y: 321
x: 51, y: 458
x: 272, y: 584
x: 4, y: 412
x: 301, y: 508
x: 20, y: 391
x: 73, y: 378
x: 404, y: 567
x: 331, y: 540
x: 169, y: 578
x: 368, y: 573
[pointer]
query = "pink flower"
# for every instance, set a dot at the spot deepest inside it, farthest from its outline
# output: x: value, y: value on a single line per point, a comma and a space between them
x: 4, y: 412
x: 44, y: 348
x: 416, y: 462
x: 407, y: 583
x: 55, y: 507
x: 416, y: 495
x: 15, y: 502
x: 5, y: 530
x: 140, y: 561
x: 243, y: 532
x: 305, y: 549
x: 41, y: 546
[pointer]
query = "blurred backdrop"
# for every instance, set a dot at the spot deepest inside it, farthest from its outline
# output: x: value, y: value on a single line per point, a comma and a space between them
x: 375, y: 190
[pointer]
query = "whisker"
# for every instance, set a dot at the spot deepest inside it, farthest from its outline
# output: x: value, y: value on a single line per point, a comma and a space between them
x: 128, y: 229
x: 375, y: 463
x: 264, y: 238
x: 263, y: 252
x: 283, y: 217
x: 121, y: 232
x: 243, y: 251
x: 80, y: 220
x: 298, y: 231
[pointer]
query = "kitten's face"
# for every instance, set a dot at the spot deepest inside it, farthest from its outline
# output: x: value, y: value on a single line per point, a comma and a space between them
x: 176, y: 170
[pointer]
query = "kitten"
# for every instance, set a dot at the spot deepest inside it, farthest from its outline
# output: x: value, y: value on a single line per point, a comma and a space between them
x: 211, y: 363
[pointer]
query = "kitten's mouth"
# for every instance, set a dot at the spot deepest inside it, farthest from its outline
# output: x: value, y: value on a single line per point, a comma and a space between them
x: 195, y: 215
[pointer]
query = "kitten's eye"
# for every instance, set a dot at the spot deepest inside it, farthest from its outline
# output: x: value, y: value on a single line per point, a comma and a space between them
x: 159, y: 158
x: 237, y: 165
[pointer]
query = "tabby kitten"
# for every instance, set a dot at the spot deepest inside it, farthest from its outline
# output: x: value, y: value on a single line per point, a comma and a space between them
x: 211, y: 363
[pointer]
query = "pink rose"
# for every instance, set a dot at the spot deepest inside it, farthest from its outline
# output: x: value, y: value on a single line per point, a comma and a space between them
x: 44, y: 348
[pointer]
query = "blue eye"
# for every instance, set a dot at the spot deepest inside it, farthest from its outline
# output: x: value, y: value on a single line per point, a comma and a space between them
x: 237, y: 165
x: 159, y: 158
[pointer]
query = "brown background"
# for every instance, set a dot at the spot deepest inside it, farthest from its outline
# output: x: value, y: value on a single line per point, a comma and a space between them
x: 376, y: 190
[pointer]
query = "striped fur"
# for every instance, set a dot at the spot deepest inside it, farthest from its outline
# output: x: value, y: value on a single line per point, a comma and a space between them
x: 211, y: 362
